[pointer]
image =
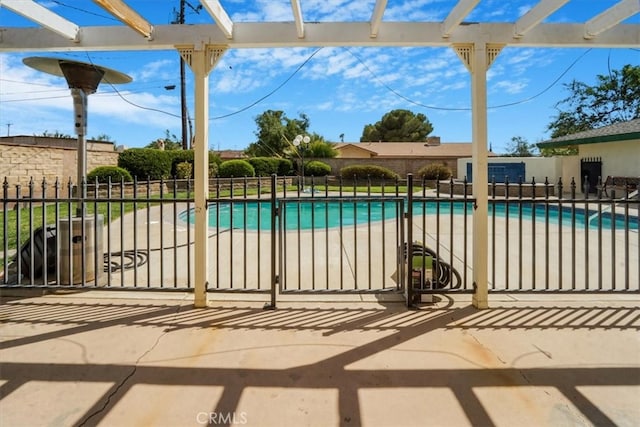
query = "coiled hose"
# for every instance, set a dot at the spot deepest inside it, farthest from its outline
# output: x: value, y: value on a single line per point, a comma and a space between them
x: 443, y: 272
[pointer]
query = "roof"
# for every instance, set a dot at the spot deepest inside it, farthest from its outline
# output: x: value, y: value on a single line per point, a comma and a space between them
x: 622, y: 131
x: 412, y: 149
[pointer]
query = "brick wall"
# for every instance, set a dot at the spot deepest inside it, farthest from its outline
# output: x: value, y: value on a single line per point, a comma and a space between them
x: 23, y: 158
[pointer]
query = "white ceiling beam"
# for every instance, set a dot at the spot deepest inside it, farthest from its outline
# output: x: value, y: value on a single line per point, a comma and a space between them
x: 279, y: 34
x: 536, y: 15
x: 297, y: 17
x: 219, y: 15
x: 457, y: 14
x: 128, y: 16
x: 611, y: 17
x: 376, y: 18
x: 43, y: 16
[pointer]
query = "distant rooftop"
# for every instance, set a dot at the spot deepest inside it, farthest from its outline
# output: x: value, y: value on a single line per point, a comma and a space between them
x: 621, y: 131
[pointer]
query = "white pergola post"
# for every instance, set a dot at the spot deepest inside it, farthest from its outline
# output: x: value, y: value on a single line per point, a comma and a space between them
x: 477, y: 58
x: 480, y: 259
x: 201, y: 61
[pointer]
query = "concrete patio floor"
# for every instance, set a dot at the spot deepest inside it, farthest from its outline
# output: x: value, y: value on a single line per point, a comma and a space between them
x: 151, y: 359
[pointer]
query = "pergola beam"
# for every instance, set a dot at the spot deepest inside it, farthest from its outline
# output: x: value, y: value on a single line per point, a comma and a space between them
x: 275, y: 35
x: 43, y: 16
x: 297, y: 17
x: 536, y: 15
x: 130, y: 17
x: 376, y: 17
x: 457, y: 14
x: 611, y: 17
x: 220, y: 16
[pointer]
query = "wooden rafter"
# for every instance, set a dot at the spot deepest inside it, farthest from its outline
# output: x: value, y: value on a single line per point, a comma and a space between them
x: 536, y: 15
x: 43, y: 16
x: 457, y: 14
x: 376, y: 17
x: 611, y: 17
x: 221, y: 17
x: 297, y: 17
x: 130, y: 17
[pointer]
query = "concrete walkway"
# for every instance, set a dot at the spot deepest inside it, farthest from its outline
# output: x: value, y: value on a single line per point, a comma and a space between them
x: 147, y: 359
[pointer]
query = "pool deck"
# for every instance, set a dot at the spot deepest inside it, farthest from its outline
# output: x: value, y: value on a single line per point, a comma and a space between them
x: 151, y: 359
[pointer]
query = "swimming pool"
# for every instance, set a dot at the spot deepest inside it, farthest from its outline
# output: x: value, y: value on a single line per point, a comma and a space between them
x: 305, y: 215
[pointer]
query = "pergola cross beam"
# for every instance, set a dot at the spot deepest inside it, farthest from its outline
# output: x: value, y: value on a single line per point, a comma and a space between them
x: 297, y: 17
x: 130, y: 17
x: 220, y: 16
x: 457, y: 14
x: 536, y: 15
x: 43, y: 16
x: 611, y: 17
x: 376, y: 17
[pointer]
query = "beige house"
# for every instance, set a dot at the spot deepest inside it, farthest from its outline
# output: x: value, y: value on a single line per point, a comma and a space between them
x: 610, y: 151
x: 401, y: 157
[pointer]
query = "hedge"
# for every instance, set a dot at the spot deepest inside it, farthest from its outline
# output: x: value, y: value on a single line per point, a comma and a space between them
x: 317, y: 168
x: 435, y: 171
x: 103, y: 173
x: 236, y: 169
x: 368, y: 171
x: 146, y: 163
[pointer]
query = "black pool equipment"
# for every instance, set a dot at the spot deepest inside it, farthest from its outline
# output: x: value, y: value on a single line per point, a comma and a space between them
x: 39, y: 236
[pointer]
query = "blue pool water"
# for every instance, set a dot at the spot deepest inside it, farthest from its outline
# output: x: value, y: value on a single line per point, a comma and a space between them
x: 305, y: 215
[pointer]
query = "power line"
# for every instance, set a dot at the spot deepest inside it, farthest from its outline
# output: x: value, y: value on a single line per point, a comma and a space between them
x: 84, y: 10
x: 253, y: 104
x: 433, y: 107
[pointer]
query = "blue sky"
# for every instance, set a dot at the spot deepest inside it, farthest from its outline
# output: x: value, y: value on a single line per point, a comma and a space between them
x: 340, y: 89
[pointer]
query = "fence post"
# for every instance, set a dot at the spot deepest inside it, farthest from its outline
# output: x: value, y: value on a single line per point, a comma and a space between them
x: 274, y: 232
x: 408, y: 245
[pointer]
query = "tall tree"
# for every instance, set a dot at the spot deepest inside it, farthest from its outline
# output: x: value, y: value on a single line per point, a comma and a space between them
x: 398, y: 126
x: 319, y: 148
x: 169, y: 142
x: 614, y: 98
x: 275, y: 133
x: 520, y: 147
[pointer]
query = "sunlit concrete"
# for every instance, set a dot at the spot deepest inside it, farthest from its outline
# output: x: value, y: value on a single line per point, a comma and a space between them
x: 99, y: 358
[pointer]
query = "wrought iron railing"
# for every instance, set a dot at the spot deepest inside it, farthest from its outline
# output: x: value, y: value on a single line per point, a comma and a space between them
x: 338, y: 236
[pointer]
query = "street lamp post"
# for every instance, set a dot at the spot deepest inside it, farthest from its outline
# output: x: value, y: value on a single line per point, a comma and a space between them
x: 302, y: 141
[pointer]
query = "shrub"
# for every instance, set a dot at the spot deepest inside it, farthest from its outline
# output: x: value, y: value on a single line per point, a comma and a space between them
x: 184, y: 170
x: 435, y: 171
x: 371, y: 171
x: 181, y: 156
x: 103, y: 173
x: 146, y: 162
x: 285, y: 167
x: 264, y: 166
x: 317, y: 168
x: 236, y: 168
x: 213, y: 169
x: 178, y: 157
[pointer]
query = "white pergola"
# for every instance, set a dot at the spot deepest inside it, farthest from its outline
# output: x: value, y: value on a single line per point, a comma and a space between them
x: 201, y: 46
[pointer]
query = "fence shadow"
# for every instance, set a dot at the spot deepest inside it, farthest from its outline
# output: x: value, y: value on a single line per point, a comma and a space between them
x: 389, y: 325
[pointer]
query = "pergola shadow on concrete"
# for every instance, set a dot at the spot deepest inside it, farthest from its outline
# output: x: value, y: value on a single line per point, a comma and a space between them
x: 201, y: 46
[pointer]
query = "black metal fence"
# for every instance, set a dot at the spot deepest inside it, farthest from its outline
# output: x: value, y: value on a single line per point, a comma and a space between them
x: 333, y: 236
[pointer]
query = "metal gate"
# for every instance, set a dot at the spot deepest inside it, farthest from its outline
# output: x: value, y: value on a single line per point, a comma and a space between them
x: 591, y: 173
x: 340, y: 244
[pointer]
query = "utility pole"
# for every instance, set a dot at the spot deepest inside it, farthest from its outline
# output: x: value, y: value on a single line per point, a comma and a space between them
x: 9, y: 129
x: 183, y: 96
x: 180, y: 19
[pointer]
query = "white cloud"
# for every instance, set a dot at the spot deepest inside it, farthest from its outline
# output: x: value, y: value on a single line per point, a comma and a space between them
x: 510, y: 87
